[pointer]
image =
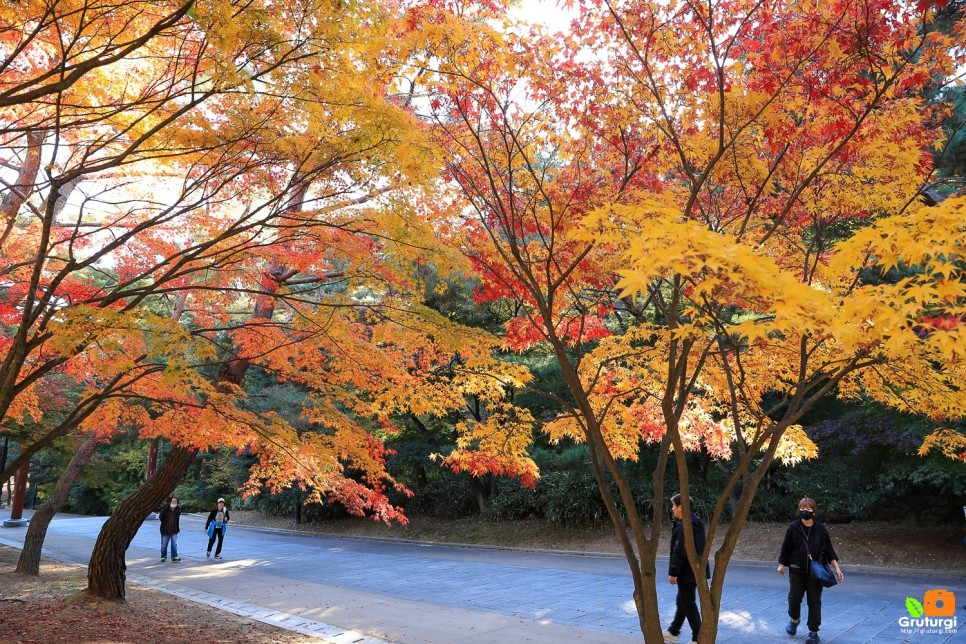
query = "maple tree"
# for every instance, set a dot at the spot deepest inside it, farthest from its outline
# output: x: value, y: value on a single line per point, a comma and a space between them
x: 681, y: 201
x: 83, y: 244
x: 245, y: 201
x: 357, y: 359
x: 98, y: 140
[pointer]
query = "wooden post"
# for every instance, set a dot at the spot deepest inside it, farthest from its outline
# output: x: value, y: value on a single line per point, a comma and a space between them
x: 152, y: 458
x: 16, y: 519
x: 3, y: 464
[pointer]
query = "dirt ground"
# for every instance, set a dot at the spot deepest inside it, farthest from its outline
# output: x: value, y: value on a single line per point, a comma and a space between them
x: 40, y: 609
x: 857, y: 544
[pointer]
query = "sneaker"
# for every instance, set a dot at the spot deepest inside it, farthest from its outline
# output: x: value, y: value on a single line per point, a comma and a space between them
x: 163, y: 559
x: 217, y: 556
x: 173, y: 559
x: 208, y: 554
x: 670, y: 638
x: 812, y: 638
x: 792, y: 627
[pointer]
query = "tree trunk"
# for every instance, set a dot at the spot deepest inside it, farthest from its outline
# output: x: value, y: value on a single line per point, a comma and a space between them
x: 105, y: 574
x: 639, y: 551
x: 33, y: 543
x: 18, y: 193
x: 482, y: 490
x: 3, y: 458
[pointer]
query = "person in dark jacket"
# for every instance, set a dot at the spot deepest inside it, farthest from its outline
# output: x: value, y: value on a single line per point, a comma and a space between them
x: 680, y: 573
x: 216, y: 526
x: 806, y: 537
x: 170, y: 527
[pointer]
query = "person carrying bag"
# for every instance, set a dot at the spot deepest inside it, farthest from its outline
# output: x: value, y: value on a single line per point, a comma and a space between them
x: 217, y: 527
x: 804, y: 537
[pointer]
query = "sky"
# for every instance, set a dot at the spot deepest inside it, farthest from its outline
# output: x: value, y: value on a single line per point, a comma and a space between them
x: 547, y: 12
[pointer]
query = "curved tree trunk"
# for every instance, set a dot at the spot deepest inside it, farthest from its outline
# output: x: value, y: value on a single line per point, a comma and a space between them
x: 106, y: 572
x: 33, y: 543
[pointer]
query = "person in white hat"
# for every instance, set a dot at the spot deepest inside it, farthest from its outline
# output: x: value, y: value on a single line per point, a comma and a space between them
x: 217, y: 527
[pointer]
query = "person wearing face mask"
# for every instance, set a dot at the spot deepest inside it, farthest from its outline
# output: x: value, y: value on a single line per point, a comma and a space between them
x: 170, y: 527
x: 806, y: 536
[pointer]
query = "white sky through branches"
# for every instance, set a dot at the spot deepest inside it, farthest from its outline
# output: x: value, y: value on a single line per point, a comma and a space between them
x: 547, y: 12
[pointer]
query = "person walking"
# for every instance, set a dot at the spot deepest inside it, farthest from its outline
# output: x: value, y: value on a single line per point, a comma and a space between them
x: 216, y: 527
x: 170, y: 517
x: 680, y: 573
x: 806, y: 538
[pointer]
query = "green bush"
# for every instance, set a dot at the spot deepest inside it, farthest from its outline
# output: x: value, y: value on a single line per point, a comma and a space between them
x: 447, y: 497
x: 85, y: 499
x: 514, y: 501
x: 571, y: 498
x: 564, y: 495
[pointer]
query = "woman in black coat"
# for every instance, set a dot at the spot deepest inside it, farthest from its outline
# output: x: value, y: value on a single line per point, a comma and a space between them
x: 806, y: 536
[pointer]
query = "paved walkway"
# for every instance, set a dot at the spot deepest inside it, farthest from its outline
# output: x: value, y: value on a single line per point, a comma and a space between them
x: 357, y: 590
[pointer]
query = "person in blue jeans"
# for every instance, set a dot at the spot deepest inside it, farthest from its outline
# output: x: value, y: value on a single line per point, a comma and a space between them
x: 805, y: 538
x: 681, y: 575
x: 216, y: 527
x: 170, y: 527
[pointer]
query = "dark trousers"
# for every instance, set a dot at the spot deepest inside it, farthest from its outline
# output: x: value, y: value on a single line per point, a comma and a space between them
x: 217, y: 534
x: 687, y: 608
x: 803, y: 585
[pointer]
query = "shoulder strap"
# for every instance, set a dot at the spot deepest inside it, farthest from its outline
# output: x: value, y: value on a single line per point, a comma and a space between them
x: 805, y: 536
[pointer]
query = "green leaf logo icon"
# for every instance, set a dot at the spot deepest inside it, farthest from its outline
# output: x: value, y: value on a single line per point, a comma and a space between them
x: 914, y: 607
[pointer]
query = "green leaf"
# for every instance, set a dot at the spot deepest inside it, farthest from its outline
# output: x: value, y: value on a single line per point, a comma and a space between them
x: 914, y: 607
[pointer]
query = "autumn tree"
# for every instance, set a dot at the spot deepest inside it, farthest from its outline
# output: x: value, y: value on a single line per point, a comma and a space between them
x: 83, y: 242
x: 48, y: 47
x: 86, y: 245
x: 234, y: 170
x: 355, y: 339
x: 681, y: 201
x: 87, y: 235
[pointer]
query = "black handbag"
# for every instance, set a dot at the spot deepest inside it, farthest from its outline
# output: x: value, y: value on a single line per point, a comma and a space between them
x: 821, y: 571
